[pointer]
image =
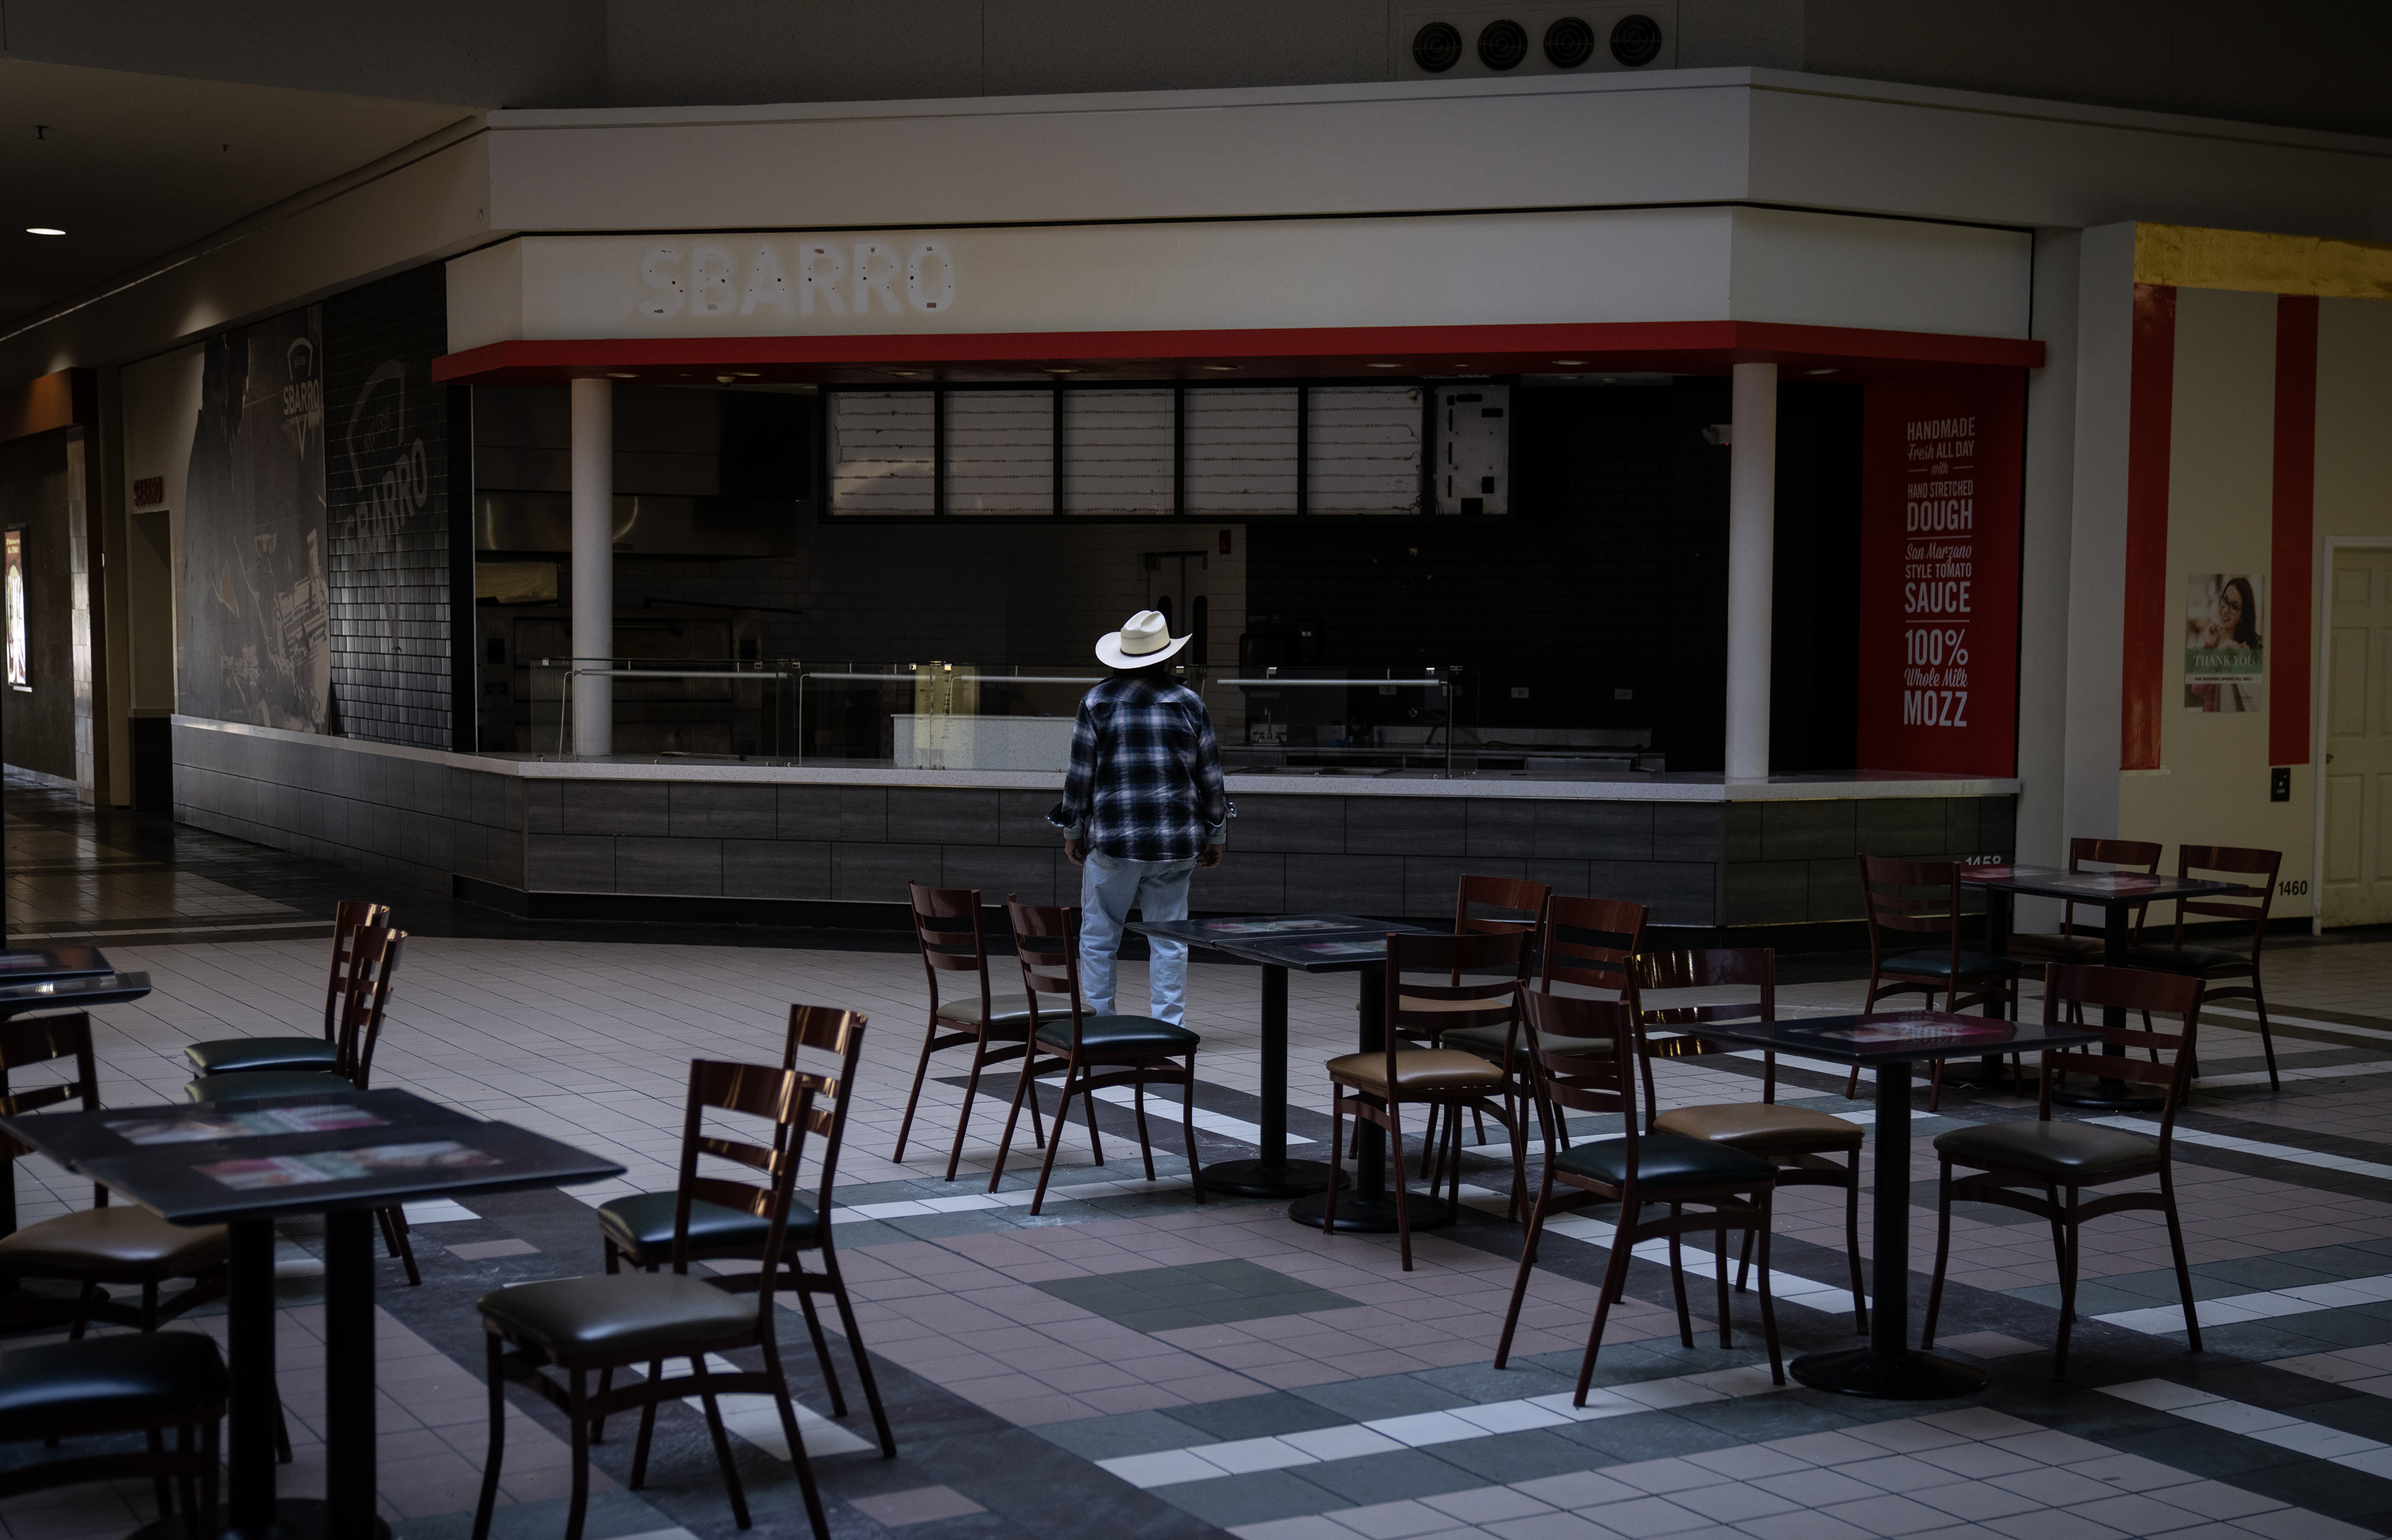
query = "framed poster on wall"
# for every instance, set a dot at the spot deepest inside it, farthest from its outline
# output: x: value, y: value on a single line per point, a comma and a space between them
x: 12, y: 553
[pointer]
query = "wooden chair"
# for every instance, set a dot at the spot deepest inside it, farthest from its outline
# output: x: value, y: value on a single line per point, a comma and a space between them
x: 239, y: 1056
x: 172, y: 1381
x: 1809, y: 1148
x: 951, y: 929
x: 1091, y: 1053
x: 581, y: 1326
x: 2056, y: 1158
x: 374, y: 961
x: 1586, y: 944
x: 2212, y: 965
x: 2072, y: 945
x: 1522, y: 906
x: 100, y: 1244
x: 1377, y: 1085
x: 1911, y: 902
x: 1638, y: 1170
x: 639, y: 1229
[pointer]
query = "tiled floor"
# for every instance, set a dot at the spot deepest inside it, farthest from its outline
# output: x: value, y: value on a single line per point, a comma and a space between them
x: 1128, y: 1362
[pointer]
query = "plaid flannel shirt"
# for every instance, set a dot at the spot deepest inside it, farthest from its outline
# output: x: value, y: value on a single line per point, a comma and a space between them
x: 1145, y: 783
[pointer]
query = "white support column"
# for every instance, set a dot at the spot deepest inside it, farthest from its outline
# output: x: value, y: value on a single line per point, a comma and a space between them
x: 593, y: 563
x: 1752, y: 566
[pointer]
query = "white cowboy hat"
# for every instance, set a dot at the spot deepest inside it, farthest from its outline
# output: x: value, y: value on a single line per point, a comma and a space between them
x: 1143, y: 640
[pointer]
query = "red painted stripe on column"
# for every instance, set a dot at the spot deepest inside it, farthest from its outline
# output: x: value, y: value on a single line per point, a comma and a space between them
x: 2291, y: 546
x: 2150, y: 404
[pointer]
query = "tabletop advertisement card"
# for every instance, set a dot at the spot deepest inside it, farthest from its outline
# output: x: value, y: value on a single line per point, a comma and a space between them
x: 1897, y: 1031
x: 348, y: 1165
x: 211, y: 1126
x: 1271, y: 927
x: 1339, y: 951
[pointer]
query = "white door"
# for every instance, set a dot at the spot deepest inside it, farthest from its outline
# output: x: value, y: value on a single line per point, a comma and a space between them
x: 2357, y: 877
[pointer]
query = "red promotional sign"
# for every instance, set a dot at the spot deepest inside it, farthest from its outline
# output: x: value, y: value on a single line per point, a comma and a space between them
x: 1940, y: 575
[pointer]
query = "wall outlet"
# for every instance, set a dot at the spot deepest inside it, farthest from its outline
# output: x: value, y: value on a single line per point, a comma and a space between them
x: 1623, y: 695
x: 2280, y: 784
x: 1519, y: 691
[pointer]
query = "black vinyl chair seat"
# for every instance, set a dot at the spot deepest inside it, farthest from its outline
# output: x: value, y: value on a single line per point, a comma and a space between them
x: 104, y: 1243
x: 2192, y: 962
x: 1665, y: 1160
x: 1103, y: 1034
x: 1973, y: 964
x: 642, y: 1224
x: 106, y: 1378
x: 2036, y: 946
x: 250, y: 1085
x: 241, y: 1055
x: 2063, y: 1151
x: 620, y: 1312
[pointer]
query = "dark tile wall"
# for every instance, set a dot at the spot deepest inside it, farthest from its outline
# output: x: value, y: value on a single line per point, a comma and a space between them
x: 386, y: 508
x: 385, y: 814
x: 1700, y: 865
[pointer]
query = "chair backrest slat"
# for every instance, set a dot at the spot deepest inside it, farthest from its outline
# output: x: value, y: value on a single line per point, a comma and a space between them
x: 951, y: 929
x: 1588, y: 943
x: 1489, y: 967
x: 378, y: 949
x: 38, y: 1040
x: 782, y: 1097
x: 1593, y: 1082
x: 1524, y: 903
x: 1716, y: 967
x: 2116, y: 855
x: 829, y: 1031
x: 349, y: 917
x: 1046, y: 944
x: 2075, y: 995
x: 2217, y: 861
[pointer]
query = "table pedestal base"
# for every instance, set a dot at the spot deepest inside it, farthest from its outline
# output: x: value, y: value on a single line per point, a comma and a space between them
x: 1372, y: 1213
x: 294, y: 1519
x: 1267, y: 1178
x: 1905, y: 1376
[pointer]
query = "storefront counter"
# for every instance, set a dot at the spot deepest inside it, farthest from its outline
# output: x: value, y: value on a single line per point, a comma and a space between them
x: 762, y: 843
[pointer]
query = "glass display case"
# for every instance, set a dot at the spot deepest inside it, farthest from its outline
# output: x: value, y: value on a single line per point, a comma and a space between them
x: 1304, y: 721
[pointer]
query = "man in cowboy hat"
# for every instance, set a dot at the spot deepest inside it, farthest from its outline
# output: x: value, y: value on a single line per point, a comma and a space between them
x: 1143, y: 807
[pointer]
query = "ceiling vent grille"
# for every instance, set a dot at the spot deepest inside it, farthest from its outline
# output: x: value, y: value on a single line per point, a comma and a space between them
x: 1568, y: 42
x: 1502, y: 45
x: 1437, y: 47
x: 1636, y: 41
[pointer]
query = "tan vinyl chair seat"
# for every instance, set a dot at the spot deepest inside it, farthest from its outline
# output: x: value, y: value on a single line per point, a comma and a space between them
x: 111, y: 1243
x: 1761, y: 1128
x: 1463, y: 1007
x: 2065, y: 1152
x: 1006, y: 1010
x: 1418, y: 1072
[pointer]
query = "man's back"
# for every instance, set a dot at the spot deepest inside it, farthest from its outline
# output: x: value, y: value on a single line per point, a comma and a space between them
x: 1145, y: 783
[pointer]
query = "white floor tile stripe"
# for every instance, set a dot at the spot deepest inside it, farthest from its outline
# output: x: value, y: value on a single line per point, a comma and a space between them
x: 754, y: 1418
x: 966, y: 1202
x: 2280, y: 1019
x: 2255, y: 1147
x: 1211, y: 1122
x: 2284, y: 1431
x: 1204, y: 1462
x: 2311, y: 1073
x: 2265, y: 1305
x: 1785, y: 1288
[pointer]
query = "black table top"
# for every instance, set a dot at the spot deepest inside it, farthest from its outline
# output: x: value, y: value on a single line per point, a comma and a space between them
x: 197, y: 1163
x: 1899, y: 1037
x: 2094, y: 887
x: 1311, y: 943
x: 72, y: 993
x: 27, y: 964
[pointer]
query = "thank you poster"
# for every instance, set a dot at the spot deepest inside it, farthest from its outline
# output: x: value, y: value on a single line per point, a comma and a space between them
x: 1940, y: 575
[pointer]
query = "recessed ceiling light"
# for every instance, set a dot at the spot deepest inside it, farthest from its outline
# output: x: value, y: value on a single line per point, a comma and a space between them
x: 1062, y: 371
x: 1383, y: 365
x: 748, y: 374
x: 1222, y: 368
x: 41, y: 229
x: 902, y: 373
x: 612, y: 376
x: 1570, y: 360
x: 724, y: 379
x: 1818, y: 371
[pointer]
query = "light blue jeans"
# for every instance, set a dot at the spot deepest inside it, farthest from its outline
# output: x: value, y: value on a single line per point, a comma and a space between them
x: 1109, y: 888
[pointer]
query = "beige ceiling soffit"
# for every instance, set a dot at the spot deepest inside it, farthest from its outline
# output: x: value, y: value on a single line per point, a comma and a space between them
x: 2255, y: 263
x: 273, y: 213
